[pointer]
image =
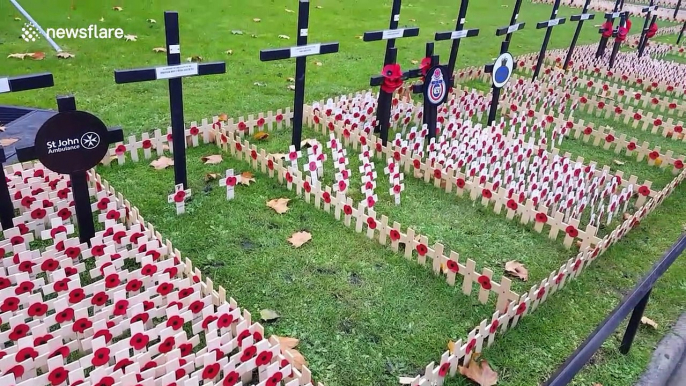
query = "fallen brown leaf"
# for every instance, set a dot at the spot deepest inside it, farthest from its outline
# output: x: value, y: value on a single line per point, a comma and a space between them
x: 194, y: 59
x: 257, y: 20
x: 292, y: 80
x: 658, y: 161
x: 130, y: 38
x: 247, y: 178
x: 319, y: 64
x: 211, y: 177
x: 649, y: 322
x: 517, y: 269
x: 18, y: 56
x: 481, y: 373
x: 212, y: 159
x: 118, y: 8
x: 65, y: 55
x: 162, y: 163
x: 298, y: 358
x: 223, y: 117
x: 618, y: 162
x: 287, y: 342
x: 280, y: 205
x: 300, y: 238
x: 451, y: 346
x: 229, y: 52
x: 7, y: 141
x: 159, y: 49
x: 414, y: 61
x: 284, y: 37
x: 151, y: 21
x: 261, y: 135
x: 291, y: 87
x: 308, y: 142
x: 319, y: 7
x: 38, y: 55
x: 269, y: 315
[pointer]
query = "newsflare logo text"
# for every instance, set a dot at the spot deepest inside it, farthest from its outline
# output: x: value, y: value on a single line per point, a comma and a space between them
x: 30, y: 33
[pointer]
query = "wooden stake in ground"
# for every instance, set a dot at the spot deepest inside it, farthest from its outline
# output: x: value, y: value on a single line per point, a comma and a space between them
x: 230, y: 183
x: 179, y: 198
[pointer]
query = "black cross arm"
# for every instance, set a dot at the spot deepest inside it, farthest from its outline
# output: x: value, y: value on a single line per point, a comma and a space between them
x: 285, y: 53
x: 585, y: 16
x: 613, y: 15
x: 2, y: 155
x: 377, y: 80
x: 149, y: 73
x: 30, y: 82
x: 550, y: 23
x: 387, y: 34
x: 454, y: 35
x: 651, y: 8
x: 509, y: 29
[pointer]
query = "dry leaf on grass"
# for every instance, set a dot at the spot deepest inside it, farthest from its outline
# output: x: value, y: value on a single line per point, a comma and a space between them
x: 299, y: 238
x: 17, y: 19
x: 118, y: 8
x: 280, y: 205
x: 102, y: 19
x: 162, y: 163
x: 38, y: 55
x: 247, y: 178
x: 65, y: 55
x: 289, y: 10
x: 291, y: 87
x: 451, y: 346
x: 286, y: 342
x: 130, y: 38
x: 517, y: 269
x: 261, y: 136
x: 229, y: 52
x: 319, y: 64
x: 292, y: 80
x: 284, y: 37
x: 194, y: 59
x: 151, y: 21
x: 359, y: 37
x: 319, y: 7
x: 223, y: 117
x: 649, y: 322
x: 597, y: 384
x: 288, y: 345
x: 618, y: 162
x: 211, y: 177
x: 257, y: 20
x: 159, y: 49
x: 7, y: 141
x: 308, y: 142
x: 269, y: 315
x: 298, y: 359
x: 237, y: 32
x: 658, y: 161
x: 414, y: 61
x: 18, y: 56
x: 481, y: 373
x: 212, y: 159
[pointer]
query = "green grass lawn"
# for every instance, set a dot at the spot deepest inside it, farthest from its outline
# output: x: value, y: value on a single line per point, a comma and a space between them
x: 354, y: 304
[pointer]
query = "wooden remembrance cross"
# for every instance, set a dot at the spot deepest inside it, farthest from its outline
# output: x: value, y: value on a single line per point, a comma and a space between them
x: 504, y: 65
x: 73, y: 142
x: 602, y: 45
x: 300, y: 52
x: 580, y: 19
x: 173, y: 71
x: 643, y: 41
x: 548, y: 25
x: 15, y: 84
x: 383, y: 106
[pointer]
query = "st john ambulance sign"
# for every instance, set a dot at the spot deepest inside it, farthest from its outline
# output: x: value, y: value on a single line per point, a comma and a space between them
x: 71, y: 141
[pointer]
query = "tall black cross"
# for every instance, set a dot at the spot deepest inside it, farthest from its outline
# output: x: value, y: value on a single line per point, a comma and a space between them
x: 623, y: 19
x: 548, y: 25
x: 644, y: 32
x: 642, y: 47
x: 173, y: 71
x: 72, y: 142
x: 300, y: 52
x: 580, y: 19
x: 676, y: 10
x: 681, y: 33
x: 383, y: 109
x: 14, y: 84
x: 611, y: 16
x: 430, y: 112
x: 456, y: 36
x: 504, y: 48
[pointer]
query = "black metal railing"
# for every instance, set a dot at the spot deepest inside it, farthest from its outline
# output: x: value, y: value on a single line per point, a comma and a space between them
x: 635, y: 301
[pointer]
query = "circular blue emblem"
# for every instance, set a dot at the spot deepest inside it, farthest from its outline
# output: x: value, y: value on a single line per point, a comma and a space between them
x: 437, y: 89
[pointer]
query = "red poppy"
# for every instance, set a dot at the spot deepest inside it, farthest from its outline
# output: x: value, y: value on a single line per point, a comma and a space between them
x: 572, y: 231
x: 139, y: 341
x: 231, y: 379
x: 19, y: 331
x: 577, y: 264
x: 392, y: 75
x: 206, y: 322
x: 134, y: 285
x: 101, y: 356
x: 371, y: 223
x: 58, y: 376
x: 186, y: 349
x: 485, y: 282
x: 679, y: 164
x: 541, y: 217
x: 583, y: 100
x: 609, y: 138
x: 540, y: 293
x: 24, y: 287
x: 186, y: 292
x: 631, y: 146
x: 601, y: 105
x: 470, y: 346
x: 264, y: 358
x: 142, y: 317
x: 65, y: 315
x: 307, y: 187
x: 443, y: 370
x: 486, y: 194
x: 678, y: 129
x: 275, y: 379
x: 120, y: 307
x: 10, y: 304
x: 82, y: 325
x: 104, y: 333
x: 289, y: 177
x: 167, y: 345
x: 238, y: 146
x: 657, y: 122
x: 4, y: 283
x: 26, y: 266
x: 248, y: 353
x: 422, y: 249
x: 452, y: 266
x: 460, y: 183
x: 437, y: 174
x: 112, y: 280
x: 347, y: 209
x: 25, y: 353
x: 653, y: 155
x: 38, y: 309
x: 644, y: 190
x: 521, y: 308
x: 512, y: 204
x: 105, y: 381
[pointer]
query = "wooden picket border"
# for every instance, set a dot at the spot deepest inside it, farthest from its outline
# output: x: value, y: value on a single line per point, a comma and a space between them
x: 664, y: 14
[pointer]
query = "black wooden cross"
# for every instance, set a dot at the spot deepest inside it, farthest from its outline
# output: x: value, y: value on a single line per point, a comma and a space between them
x: 505, y: 64
x: 548, y: 25
x: 623, y: 19
x: 456, y: 36
x: 300, y: 52
x: 14, y: 84
x: 642, y: 47
x: 610, y: 16
x: 173, y: 71
x: 430, y: 111
x: 580, y: 19
x: 681, y: 33
x: 676, y: 10
x: 383, y: 105
x: 644, y: 32
x: 72, y: 142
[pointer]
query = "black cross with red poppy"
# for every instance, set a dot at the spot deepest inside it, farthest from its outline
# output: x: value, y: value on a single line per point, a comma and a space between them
x: 504, y: 48
x: 174, y: 71
x: 548, y: 25
x: 456, y: 36
x: 643, y: 41
x: 619, y: 37
x: 580, y: 19
x: 15, y: 84
x: 430, y: 112
x: 608, y: 26
x: 391, y: 77
x: 300, y: 52
x: 79, y: 179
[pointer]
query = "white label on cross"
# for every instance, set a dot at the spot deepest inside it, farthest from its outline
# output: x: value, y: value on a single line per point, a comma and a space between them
x: 513, y: 28
x: 168, y: 72
x: 310, y: 49
x: 458, y: 34
x: 303, y: 32
x: 463, y: 20
x: 4, y: 85
x: 174, y: 49
x: 616, y: 15
x: 392, y: 33
x: 554, y: 22
x: 396, y: 17
x: 586, y: 16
